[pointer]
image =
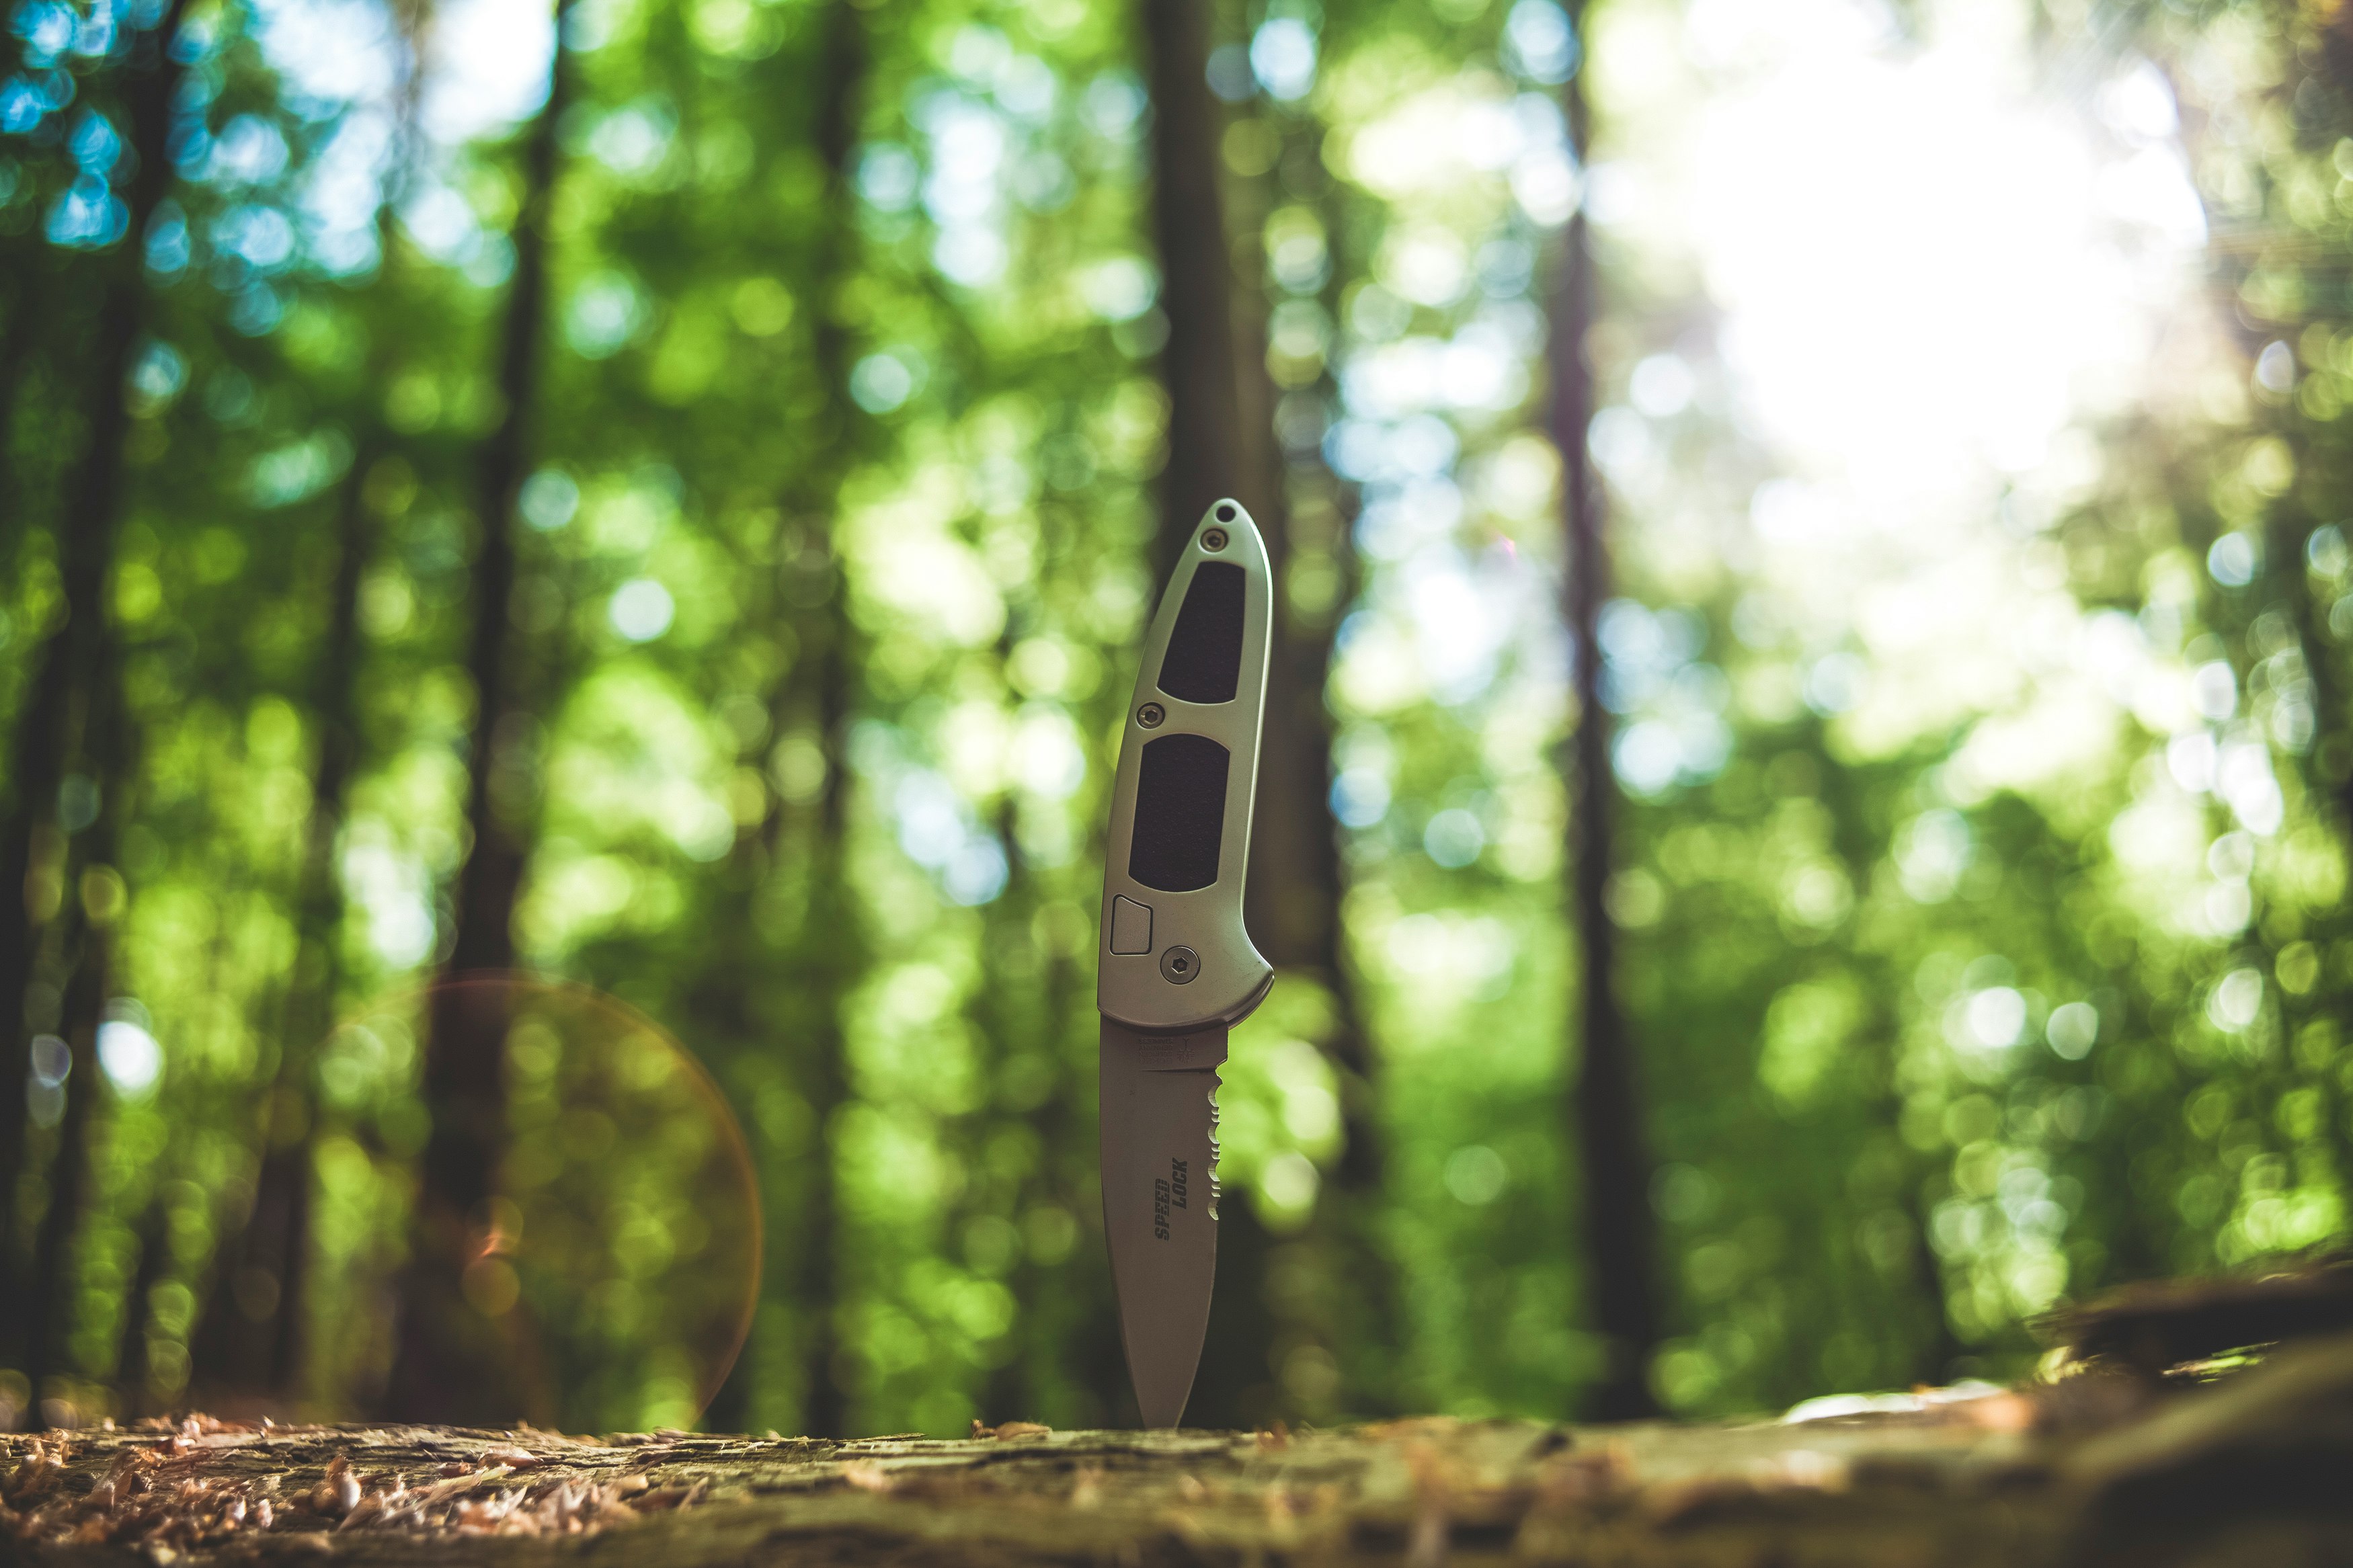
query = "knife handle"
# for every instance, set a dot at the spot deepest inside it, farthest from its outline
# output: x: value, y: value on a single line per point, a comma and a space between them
x: 1173, y: 954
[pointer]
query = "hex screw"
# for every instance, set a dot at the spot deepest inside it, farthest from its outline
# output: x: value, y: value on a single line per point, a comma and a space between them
x: 1181, y: 966
x: 1214, y: 539
x: 1151, y: 715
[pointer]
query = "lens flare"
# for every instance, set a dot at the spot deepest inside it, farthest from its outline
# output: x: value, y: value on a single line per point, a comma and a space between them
x: 584, y: 1228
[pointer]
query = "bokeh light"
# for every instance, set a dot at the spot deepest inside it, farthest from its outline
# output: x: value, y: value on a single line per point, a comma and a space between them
x: 610, y: 1275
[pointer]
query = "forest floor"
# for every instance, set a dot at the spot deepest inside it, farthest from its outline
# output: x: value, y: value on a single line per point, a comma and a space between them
x: 2110, y: 1466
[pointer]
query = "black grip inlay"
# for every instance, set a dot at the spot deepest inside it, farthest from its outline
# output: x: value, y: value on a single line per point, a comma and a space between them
x: 1181, y: 813
x: 1204, y: 661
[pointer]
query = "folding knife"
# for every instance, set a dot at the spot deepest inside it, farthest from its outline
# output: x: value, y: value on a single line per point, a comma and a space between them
x: 1177, y: 969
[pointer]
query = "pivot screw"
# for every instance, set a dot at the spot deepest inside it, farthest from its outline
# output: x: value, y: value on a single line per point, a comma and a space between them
x: 1214, y: 539
x: 1181, y: 966
x: 1151, y: 715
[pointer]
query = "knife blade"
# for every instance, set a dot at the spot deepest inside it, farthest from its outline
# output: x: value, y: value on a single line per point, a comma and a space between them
x: 1175, y: 968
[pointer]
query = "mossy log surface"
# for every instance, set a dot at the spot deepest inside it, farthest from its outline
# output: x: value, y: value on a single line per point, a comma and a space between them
x: 2257, y: 1468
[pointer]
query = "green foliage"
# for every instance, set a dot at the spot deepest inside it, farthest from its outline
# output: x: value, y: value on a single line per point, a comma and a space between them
x: 1981, y: 890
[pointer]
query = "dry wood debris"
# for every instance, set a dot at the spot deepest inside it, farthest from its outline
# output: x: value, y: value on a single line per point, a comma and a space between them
x: 2184, y: 1328
x: 2097, y: 1469
x: 181, y: 1491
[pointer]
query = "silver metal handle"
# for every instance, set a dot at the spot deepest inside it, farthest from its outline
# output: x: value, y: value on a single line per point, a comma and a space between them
x: 1173, y: 955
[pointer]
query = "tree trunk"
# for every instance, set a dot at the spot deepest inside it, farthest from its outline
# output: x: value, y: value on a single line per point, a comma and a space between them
x: 133, y: 1367
x: 259, y: 1356
x: 1214, y: 451
x: 787, y: 934
x: 31, y: 855
x: 94, y: 891
x: 1016, y: 1014
x: 830, y: 947
x: 1209, y: 449
x: 1613, y: 1151
x: 2331, y: 750
x: 64, y: 667
x: 436, y: 1367
x: 18, y: 339
x: 1065, y: 1361
x: 1297, y: 882
x: 48, y: 1303
x: 2245, y: 1473
x: 831, y: 936
x: 250, y: 1352
x: 1051, y: 1357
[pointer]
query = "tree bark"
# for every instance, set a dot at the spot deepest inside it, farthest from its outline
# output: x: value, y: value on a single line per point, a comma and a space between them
x: 1214, y: 450
x: 1612, y: 1149
x: 256, y: 1354
x: 434, y: 1372
x: 133, y: 1367
x: 997, y: 1014
x: 830, y: 946
x: 94, y: 892
x: 1297, y: 880
x: 1062, y: 1359
x: 1051, y: 1356
x: 2245, y: 1473
x: 833, y: 925
x: 31, y: 873
x: 64, y: 667
x: 787, y: 934
x: 19, y: 339
x: 259, y: 1356
x: 1208, y: 450
x: 48, y: 1310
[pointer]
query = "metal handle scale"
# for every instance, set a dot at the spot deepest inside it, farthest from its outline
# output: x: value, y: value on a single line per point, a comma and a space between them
x: 1174, y: 955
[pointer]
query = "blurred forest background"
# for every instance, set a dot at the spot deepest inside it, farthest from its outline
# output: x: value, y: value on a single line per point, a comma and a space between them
x: 1808, y: 818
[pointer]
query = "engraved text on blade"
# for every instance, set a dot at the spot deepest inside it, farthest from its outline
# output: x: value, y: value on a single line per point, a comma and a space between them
x: 1167, y: 1193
